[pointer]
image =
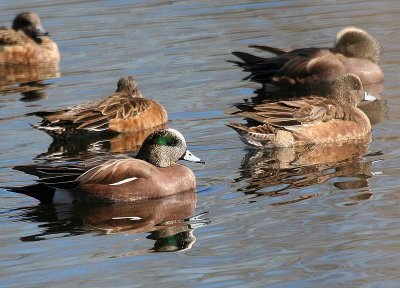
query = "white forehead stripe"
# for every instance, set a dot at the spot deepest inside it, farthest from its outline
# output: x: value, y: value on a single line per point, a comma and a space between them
x: 347, y: 30
x: 178, y: 134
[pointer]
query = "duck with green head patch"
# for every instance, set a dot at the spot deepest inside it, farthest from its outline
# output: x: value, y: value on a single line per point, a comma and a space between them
x: 154, y: 173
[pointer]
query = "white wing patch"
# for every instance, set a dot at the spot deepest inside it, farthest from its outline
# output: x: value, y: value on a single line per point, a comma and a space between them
x: 124, y: 181
x: 132, y: 218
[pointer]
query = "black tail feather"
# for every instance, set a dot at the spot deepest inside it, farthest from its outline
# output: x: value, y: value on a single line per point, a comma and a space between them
x: 40, y: 114
x: 247, y: 58
x: 39, y: 191
x: 273, y: 50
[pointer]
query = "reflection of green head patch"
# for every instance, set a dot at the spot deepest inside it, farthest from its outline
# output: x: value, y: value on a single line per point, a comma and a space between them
x: 166, y: 140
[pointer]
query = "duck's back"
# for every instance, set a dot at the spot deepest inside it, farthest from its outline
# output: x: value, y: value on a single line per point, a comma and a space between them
x: 17, y: 48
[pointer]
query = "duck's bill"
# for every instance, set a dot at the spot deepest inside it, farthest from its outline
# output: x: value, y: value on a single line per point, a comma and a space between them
x: 39, y: 32
x: 190, y: 157
x: 369, y: 97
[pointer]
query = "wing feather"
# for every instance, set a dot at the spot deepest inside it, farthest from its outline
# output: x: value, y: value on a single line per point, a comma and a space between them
x: 114, y: 171
x: 11, y: 37
x: 308, y: 110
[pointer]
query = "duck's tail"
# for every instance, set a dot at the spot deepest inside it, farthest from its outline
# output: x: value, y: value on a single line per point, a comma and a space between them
x: 39, y: 191
x: 261, y: 69
x: 260, y: 136
x: 273, y: 50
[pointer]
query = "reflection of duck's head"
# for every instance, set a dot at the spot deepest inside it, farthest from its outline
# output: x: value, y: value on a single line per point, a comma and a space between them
x: 175, y: 238
x: 35, y: 95
x: 30, y: 24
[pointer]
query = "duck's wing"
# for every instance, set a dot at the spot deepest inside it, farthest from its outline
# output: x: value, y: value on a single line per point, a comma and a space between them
x: 307, y: 63
x: 117, y: 106
x: 65, y: 176
x: 11, y: 37
x: 295, y: 63
x: 304, y: 111
x: 61, y: 176
x: 116, y: 172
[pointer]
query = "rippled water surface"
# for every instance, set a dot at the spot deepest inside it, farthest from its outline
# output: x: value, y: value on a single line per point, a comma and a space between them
x: 319, y: 217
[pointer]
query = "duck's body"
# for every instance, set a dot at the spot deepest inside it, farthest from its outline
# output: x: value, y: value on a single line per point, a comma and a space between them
x: 323, y: 122
x: 123, y: 111
x: 311, y: 70
x: 307, y: 120
x: 26, y: 42
x: 150, y: 181
x: 117, y: 180
x: 154, y: 174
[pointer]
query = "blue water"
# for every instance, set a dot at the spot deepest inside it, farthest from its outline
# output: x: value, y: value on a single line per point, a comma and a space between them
x: 261, y: 218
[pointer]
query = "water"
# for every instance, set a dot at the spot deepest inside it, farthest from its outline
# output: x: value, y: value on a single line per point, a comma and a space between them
x: 278, y: 218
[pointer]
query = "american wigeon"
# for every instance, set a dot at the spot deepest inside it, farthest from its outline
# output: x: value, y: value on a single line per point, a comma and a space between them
x: 154, y: 173
x: 27, y: 42
x: 123, y: 111
x: 311, y: 70
x: 308, y: 120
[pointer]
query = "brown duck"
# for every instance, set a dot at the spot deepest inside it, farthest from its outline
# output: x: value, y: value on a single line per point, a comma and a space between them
x: 123, y: 111
x: 27, y: 42
x: 311, y: 70
x: 153, y: 174
x: 308, y: 120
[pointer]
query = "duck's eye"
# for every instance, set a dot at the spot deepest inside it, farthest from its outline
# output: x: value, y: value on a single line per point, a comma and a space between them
x: 24, y: 22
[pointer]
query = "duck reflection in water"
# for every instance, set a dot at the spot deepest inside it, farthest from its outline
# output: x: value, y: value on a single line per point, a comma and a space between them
x: 29, y: 80
x: 167, y: 219
x: 92, y: 145
x: 275, y: 172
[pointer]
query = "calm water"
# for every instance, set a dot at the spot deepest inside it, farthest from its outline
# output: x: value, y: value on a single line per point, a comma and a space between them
x: 281, y: 218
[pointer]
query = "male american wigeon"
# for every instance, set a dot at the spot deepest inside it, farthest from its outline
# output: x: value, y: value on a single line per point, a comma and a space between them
x: 311, y: 70
x: 123, y: 111
x: 27, y: 42
x: 154, y: 173
x: 308, y: 120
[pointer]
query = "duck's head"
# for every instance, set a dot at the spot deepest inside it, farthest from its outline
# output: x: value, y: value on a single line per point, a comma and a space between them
x: 355, y: 42
x: 348, y: 90
x: 164, y: 148
x: 128, y: 84
x: 30, y: 24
